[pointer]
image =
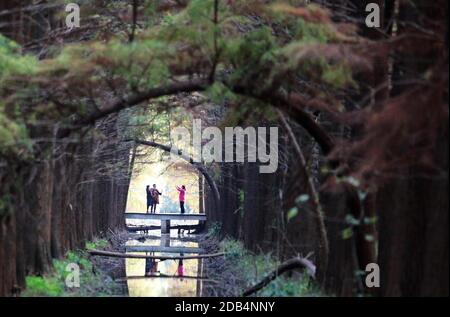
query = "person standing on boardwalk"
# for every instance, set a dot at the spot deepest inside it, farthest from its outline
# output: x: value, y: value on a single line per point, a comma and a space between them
x: 149, y: 197
x: 181, y: 196
x: 155, y: 196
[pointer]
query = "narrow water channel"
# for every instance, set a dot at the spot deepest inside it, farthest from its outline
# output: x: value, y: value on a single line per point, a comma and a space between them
x: 163, y: 278
x: 146, y: 277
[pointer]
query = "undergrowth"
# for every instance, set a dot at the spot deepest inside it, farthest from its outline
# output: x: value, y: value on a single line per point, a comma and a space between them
x: 91, y: 282
x: 253, y: 268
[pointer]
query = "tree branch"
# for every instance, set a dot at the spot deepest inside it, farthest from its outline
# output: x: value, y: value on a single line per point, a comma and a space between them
x: 319, y: 219
x: 293, y: 106
x: 289, y: 265
x: 119, y: 104
x: 135, y: 13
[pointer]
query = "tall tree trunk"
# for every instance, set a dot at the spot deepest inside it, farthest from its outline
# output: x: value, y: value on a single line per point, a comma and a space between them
x: 413, y: 208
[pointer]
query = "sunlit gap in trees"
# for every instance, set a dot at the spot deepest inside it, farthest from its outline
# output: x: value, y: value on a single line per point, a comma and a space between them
x: 150, y: 169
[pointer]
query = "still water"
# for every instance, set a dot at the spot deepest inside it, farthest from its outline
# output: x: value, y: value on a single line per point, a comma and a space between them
x: 163, y: 278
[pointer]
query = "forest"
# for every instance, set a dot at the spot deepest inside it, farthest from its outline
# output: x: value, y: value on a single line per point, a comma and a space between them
x: 289, y: 148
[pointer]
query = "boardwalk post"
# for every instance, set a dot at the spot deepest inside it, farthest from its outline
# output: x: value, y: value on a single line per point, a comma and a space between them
x: 165, y: 226
x: 165, y: 241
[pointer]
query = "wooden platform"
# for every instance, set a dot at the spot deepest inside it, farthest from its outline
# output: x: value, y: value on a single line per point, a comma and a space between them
x: 164, y: 216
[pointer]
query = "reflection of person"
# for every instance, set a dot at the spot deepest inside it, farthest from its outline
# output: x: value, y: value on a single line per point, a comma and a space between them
x: 149, y: 197
x: 155, y: 267
x: 155, y: 196
x: 180, y: 269
x: 150, y: 266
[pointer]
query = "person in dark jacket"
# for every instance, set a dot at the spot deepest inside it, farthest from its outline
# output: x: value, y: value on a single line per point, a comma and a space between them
x: 155, y: 193
x: 149, y: 198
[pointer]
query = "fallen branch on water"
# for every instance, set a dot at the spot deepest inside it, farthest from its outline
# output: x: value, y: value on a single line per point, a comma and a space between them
x: 139, y: 256
x: 289, y: 265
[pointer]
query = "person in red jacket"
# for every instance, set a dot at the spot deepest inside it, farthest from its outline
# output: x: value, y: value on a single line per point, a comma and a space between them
x: 181, y: 197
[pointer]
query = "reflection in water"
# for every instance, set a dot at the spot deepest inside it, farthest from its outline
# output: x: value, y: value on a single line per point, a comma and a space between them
x: 151, y: 266
x: 165, y: 278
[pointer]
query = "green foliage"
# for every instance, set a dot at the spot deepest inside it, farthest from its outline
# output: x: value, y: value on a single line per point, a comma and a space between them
x: 284, y: 42
x: 97, y: 244
x: 292, y: 213
x: 241, y: 197
x: 12, y: 63
x: 218, y: 93
x: 214, y: 229
x: 309, y: 33
x: 285, y: 287
x: 233, y: 248
x: 37, y: 286
x: 14, y: 140
x: 241, y: 209
x: 338, y: 76
x: 53, y: 284
x: 253, y: 62
x: 347, y: 233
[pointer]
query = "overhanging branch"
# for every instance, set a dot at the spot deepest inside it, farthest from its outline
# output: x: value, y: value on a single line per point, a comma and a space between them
x: 119, y: 104
x: 292, y: 105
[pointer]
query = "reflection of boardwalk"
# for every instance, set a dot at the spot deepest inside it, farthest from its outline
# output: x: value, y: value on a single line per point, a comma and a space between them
x: 164, y: 247
x: 144, y: 237
x: 174, y: 249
